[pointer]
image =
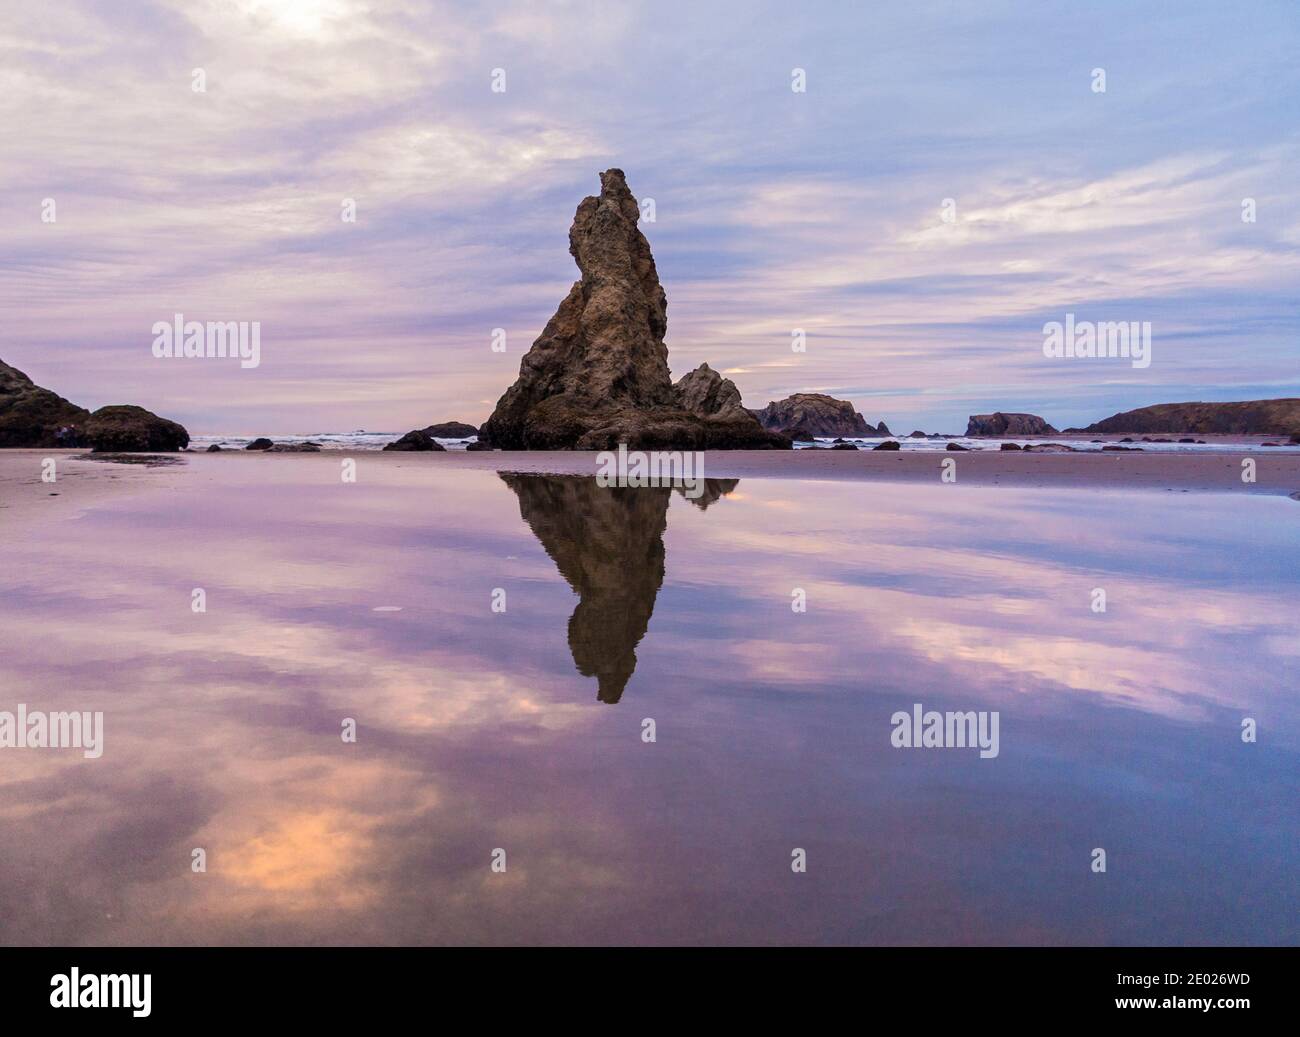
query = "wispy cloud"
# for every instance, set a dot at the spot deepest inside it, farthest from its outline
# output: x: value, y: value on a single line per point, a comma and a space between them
x: 775, y: 210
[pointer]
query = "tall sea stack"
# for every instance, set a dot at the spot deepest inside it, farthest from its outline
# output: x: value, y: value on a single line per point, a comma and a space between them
x: 598, y: 374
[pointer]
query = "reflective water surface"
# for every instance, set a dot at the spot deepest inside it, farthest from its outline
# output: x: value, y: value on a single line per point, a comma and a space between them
x: 523, y: 729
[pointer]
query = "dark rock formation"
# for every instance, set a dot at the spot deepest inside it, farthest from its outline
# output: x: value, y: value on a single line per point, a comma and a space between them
x: 32, y: 417
x: 214, y: 449
x: 883, y: 429
x: 295, y: 448
x: 889, y: 444
x: 956, y: 446
x: 598, y: 374
x: 478, y: 445
x: 126, y: 429
x: 1000, y: 424
x: 1010, y: 446
x: 706, y: 393
x: 260, y: 444
x: 817, y: 413
x: 917, y: 434
x: 845, y: 446
x: 1116, y: 448
x: 452, y: 430
x: 418, y: 439
x: 1247, y: 418
x: 1049, y: 448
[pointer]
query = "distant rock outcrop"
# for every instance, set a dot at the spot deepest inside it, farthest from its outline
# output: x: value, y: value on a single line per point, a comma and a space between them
x: 818, y: 414
x: 34, y: 417
x: 598, y: 374
x: 418, y: 439
x: 706, y: 393
x: 1001, y: 424
x: 452, y: 430
x: 1246, y: 418
x: 126, y: 429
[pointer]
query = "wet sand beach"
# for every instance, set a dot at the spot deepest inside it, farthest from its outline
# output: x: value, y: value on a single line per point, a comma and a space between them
x: 521, y: 728
x: 83, y: 482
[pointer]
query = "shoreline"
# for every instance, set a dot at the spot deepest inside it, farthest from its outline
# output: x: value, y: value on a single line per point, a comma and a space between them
x: 1277, y: 474
x: 1204, y: 443
x: 86, y: 483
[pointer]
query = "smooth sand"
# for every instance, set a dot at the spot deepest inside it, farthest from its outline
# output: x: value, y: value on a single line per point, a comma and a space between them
x: 79, y: 485
x: 1277, y: 473
x: 83, y: 484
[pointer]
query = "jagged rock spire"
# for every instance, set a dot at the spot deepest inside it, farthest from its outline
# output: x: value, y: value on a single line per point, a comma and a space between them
x: 598, y: 374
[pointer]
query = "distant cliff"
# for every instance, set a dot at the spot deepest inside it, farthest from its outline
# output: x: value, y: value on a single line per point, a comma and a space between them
x: 1000, y: 424
x: 816, y: 414
x: 1247, y: 418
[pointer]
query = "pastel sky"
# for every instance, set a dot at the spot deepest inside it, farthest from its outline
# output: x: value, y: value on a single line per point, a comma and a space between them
x: 774, y: 209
